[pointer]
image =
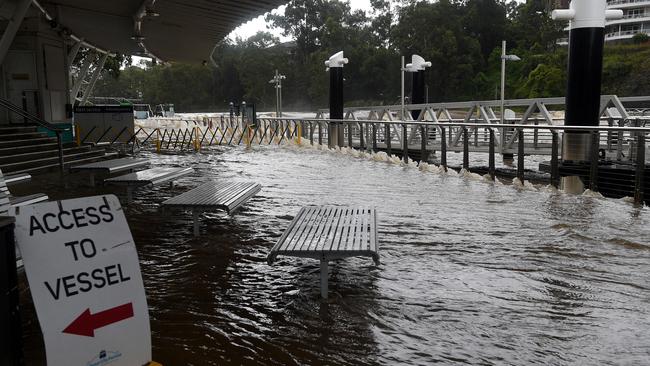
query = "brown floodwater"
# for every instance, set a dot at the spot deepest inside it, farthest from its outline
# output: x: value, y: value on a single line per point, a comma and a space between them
x: 471, y: 273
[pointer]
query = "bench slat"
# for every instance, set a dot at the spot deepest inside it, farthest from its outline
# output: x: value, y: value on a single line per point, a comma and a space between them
x: 329, y: 232
x: 151, y: 176
x: 319, y: 228
x: 113, y: 165
x: 227, y: 196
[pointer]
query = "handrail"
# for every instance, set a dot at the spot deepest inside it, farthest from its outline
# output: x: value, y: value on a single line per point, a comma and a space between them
x: 461, y: 124
x: 39, y: 121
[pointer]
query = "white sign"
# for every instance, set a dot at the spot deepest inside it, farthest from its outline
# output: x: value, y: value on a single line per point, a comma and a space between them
x: 84, y: 276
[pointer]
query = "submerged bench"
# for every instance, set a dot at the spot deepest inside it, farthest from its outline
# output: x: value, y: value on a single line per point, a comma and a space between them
x: 327, y: 233
x: 20, y: 200
x: 110, y: 166
x: 17, y: 178
x: 213, y: 196
x: 149, y: 177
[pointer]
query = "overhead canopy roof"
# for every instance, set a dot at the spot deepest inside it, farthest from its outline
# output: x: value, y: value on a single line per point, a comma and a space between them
x: 172, y: 30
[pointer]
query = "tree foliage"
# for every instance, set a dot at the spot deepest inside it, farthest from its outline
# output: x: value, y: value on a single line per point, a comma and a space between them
x: 462, y: 39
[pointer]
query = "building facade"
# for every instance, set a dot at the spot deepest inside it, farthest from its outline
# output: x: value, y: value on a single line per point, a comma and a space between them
x: 636, y: 19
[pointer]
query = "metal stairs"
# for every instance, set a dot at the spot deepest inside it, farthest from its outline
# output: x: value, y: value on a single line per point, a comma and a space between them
x: 23, y: 149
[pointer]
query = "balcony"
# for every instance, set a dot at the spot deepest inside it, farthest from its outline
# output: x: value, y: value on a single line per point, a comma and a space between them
x: 615, y: 36
x: 631, y: 19
x: 620, y: 4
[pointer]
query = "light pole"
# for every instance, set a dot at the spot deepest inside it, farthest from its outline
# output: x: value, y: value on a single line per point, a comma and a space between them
x: 504, y: 57
x: 277, y: 80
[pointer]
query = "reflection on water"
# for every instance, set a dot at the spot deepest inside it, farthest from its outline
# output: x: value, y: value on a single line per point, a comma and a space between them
x: 471, y: 272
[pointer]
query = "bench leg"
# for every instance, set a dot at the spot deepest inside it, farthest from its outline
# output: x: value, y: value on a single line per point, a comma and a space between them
x: 323, y: 278
x: 195, y: 217
x: 92, y: 179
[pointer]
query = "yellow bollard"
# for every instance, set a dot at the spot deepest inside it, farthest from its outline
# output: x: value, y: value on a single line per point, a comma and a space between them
x: 299, y: 133
x: 158, y: 143
x: 248, y: 136
x: 196, y: 138
x: 78, y: 135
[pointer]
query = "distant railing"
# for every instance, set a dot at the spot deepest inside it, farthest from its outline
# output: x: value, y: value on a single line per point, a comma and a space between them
x: 38, y: 121
x: 410, y: 137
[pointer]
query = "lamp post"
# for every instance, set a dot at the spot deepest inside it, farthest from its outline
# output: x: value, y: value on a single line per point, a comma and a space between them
x: 277, y: 80
x: 504, y: 57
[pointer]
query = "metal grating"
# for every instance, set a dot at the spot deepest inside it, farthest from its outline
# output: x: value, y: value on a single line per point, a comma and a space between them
x: 226, y: 196
x: 150, y: 176
x: 330, y: 232
x: 114, y: 165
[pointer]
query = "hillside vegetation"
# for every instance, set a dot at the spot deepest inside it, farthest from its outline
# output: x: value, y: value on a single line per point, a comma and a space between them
x: 462, y: 38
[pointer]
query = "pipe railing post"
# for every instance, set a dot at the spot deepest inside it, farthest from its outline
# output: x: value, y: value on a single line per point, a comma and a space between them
x: 320, y: 133
x: 491, y: 158
x: 350, y: 135
x: 640, y: 170
x: 593, y: 169
x: 555, y: 166
x: 443, y: 149
x: 520, y: 156
x: 423, y: 147
x: 387, y: 139
x: 465, y: 149
x: 374, y: 137
x: 361, y: 139
x: 405, y: 143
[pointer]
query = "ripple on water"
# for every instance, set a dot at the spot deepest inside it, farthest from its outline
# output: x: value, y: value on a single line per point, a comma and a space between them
x: 471, y: 272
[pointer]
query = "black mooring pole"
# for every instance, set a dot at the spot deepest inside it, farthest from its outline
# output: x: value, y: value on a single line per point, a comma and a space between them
x: 335, y: 67
x: 586, y: 42
x: 418, y: 85
x: 417, y: 92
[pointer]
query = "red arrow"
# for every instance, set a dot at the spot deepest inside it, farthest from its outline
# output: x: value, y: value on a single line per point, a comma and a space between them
x: 86, y: 323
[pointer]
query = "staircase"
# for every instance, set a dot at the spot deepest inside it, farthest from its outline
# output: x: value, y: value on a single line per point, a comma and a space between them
x: 25, y: 150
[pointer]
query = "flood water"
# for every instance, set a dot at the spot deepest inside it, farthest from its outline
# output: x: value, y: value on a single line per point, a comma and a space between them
x: 471, y: 272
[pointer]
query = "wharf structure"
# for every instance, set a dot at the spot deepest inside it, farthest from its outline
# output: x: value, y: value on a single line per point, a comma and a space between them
x: 53, y: 51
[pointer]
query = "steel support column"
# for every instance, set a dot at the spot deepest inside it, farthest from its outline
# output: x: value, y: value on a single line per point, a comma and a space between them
x: 80, y: 78
x: 12, y: 27
x: 98, y: 70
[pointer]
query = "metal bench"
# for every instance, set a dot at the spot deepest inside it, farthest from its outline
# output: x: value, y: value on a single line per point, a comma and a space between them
x: 328, y: 233
x: 152, y: 177
x: 110, y: 166
x: 213, y: 196
x: 20, y: 200
x: 17, y: 178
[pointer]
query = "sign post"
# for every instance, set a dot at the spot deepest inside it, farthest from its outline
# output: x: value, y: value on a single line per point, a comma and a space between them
x: 84, y: 276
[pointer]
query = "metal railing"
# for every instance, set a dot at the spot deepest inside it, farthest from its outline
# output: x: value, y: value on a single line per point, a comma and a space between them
x: 38, y: 121
x: 626, y: 144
